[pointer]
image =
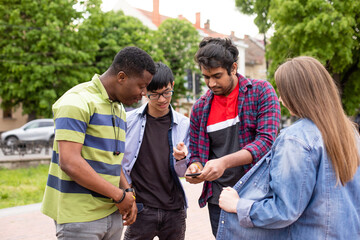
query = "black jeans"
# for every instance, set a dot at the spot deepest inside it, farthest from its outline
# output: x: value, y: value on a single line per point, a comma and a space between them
x: 214, y: 213
x: 151, y: 222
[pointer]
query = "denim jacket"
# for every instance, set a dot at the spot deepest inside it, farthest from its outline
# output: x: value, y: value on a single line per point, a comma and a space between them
x: 291, y: 193
x: 178, y: 132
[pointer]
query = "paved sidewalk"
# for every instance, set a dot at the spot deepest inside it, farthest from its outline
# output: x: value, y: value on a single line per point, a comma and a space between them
x: 28, y: 223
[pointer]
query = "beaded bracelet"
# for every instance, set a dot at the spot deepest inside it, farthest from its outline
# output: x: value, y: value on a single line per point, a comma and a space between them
x: 122, y: 198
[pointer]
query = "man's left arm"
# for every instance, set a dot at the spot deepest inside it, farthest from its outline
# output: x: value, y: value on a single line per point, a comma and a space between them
x: 268, y: 120
x: 130, y: 217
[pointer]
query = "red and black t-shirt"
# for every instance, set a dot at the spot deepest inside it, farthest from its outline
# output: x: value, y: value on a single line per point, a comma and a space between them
x: 222, y: 128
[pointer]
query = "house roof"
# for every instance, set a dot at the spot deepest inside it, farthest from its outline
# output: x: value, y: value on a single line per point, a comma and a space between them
x: 134, y: 12
x: 255, y: 53
x: 149, y: 15
x: 254, y: 48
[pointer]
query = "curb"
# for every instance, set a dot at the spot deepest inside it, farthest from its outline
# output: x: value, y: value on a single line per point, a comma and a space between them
x: 19, y: 210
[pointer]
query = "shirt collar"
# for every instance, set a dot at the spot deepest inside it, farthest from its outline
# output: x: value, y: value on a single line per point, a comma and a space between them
x: 244, y: 83
x: 100, y: 87
x: 142, y: 111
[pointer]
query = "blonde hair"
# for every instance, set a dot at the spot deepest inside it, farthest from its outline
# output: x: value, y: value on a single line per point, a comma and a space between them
x: 308, y: 91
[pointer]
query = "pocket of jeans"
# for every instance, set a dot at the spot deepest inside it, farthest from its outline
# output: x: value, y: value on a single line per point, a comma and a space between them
x: 140, y: 207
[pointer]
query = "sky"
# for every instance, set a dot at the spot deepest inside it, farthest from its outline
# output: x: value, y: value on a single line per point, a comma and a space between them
x: 223, y: 15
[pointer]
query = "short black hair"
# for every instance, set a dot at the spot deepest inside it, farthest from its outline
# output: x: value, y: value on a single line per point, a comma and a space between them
x: 217, y: 52
x: 133, y: 61
x: 162, y: 77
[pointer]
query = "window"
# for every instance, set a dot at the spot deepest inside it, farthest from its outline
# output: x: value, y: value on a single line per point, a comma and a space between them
x: 7, y: 113
x: 46, y: 124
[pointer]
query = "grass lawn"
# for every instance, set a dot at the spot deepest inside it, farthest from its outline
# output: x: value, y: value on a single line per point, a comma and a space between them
x: 22, y: 186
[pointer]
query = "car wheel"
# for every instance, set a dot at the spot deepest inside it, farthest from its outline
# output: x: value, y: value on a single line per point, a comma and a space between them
x: 11, y: 141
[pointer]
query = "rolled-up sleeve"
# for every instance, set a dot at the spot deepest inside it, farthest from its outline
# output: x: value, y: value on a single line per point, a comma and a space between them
x: 243, y: 212
x: 268, y: 121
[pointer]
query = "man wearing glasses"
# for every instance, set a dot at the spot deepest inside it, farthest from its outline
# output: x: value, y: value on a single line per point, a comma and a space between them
x: 155, y: 157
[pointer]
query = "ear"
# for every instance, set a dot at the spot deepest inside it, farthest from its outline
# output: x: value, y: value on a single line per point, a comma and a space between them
x: 173, y: 84
x: 121, y: 77
x: 234, y: 68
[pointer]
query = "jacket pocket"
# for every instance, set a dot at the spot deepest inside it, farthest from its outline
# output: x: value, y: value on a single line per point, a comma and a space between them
x: 258, y: 185
x: 262, y: 179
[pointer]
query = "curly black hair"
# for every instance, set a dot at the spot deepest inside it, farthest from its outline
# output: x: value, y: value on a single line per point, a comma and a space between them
x: 217, y: 52
x: 133, y: 61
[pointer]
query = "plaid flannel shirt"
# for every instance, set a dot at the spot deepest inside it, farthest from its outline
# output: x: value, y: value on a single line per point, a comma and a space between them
x: 259, y: 114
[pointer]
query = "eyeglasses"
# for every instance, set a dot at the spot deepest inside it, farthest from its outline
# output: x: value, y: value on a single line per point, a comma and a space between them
x: 156, y: 96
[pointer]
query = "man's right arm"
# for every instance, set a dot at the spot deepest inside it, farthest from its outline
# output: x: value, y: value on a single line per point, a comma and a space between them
x: 195, y: 164
x: 76, y: 167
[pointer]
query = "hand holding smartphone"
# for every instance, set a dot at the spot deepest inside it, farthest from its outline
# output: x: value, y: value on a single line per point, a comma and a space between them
x: 192, y: 175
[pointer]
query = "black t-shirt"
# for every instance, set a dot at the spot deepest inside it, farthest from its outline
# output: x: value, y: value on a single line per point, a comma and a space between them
x: 224, y: 142
x: 151, y: 174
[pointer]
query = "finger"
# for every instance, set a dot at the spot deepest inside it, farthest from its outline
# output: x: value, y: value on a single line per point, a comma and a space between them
x: 185, y: 150
x: 206, y: 171
x: 176, y: 150
x: 193, y: 169
x: 129, y: 221
x: 180, y: 145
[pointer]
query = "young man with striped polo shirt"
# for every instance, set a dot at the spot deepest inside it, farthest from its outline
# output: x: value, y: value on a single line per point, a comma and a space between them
x: 231, y: 126
x: 87, y: 193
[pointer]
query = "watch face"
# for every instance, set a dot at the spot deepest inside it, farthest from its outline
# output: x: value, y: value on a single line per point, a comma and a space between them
x: 130, y: 190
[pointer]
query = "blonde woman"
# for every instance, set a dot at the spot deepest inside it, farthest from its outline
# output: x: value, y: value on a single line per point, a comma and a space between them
x: 308, y: 185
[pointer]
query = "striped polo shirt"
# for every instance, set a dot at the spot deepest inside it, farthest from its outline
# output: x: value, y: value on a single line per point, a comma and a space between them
x: 84, y: 114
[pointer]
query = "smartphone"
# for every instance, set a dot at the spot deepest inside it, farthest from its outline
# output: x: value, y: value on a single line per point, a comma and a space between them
x: 192, y: 174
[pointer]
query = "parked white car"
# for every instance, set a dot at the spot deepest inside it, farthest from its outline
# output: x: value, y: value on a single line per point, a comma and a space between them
x: 36, y: 130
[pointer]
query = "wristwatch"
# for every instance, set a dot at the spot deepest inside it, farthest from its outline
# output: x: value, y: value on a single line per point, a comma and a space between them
x: 131, y: 190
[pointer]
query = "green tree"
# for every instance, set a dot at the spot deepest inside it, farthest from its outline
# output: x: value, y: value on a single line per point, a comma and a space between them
x: 326, y: 30
x: 178, y: 40
x: 121, y: 31
x: 260, y: 8
x: 44, y: 51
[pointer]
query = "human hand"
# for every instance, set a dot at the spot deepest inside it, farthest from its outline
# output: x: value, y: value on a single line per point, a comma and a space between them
x: 181, y: 151
x: 130, y: 217
x: 213, y: 170
x: 125, y: 205
x: 228, y: 199
x: 194, y: 168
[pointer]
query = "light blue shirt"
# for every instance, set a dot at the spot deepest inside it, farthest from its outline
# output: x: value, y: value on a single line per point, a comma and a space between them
x: 178, y: 132
x: 291, y: 193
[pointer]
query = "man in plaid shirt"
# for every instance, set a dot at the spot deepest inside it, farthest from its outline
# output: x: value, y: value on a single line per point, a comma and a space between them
x: 231, y: 126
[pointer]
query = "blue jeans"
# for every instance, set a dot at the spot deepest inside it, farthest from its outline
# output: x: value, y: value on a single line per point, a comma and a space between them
x: 214, y: 213
x: 151, y: 222
x: 107, y: 228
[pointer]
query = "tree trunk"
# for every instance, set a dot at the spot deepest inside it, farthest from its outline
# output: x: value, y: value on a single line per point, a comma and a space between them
x: 31, y: 116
